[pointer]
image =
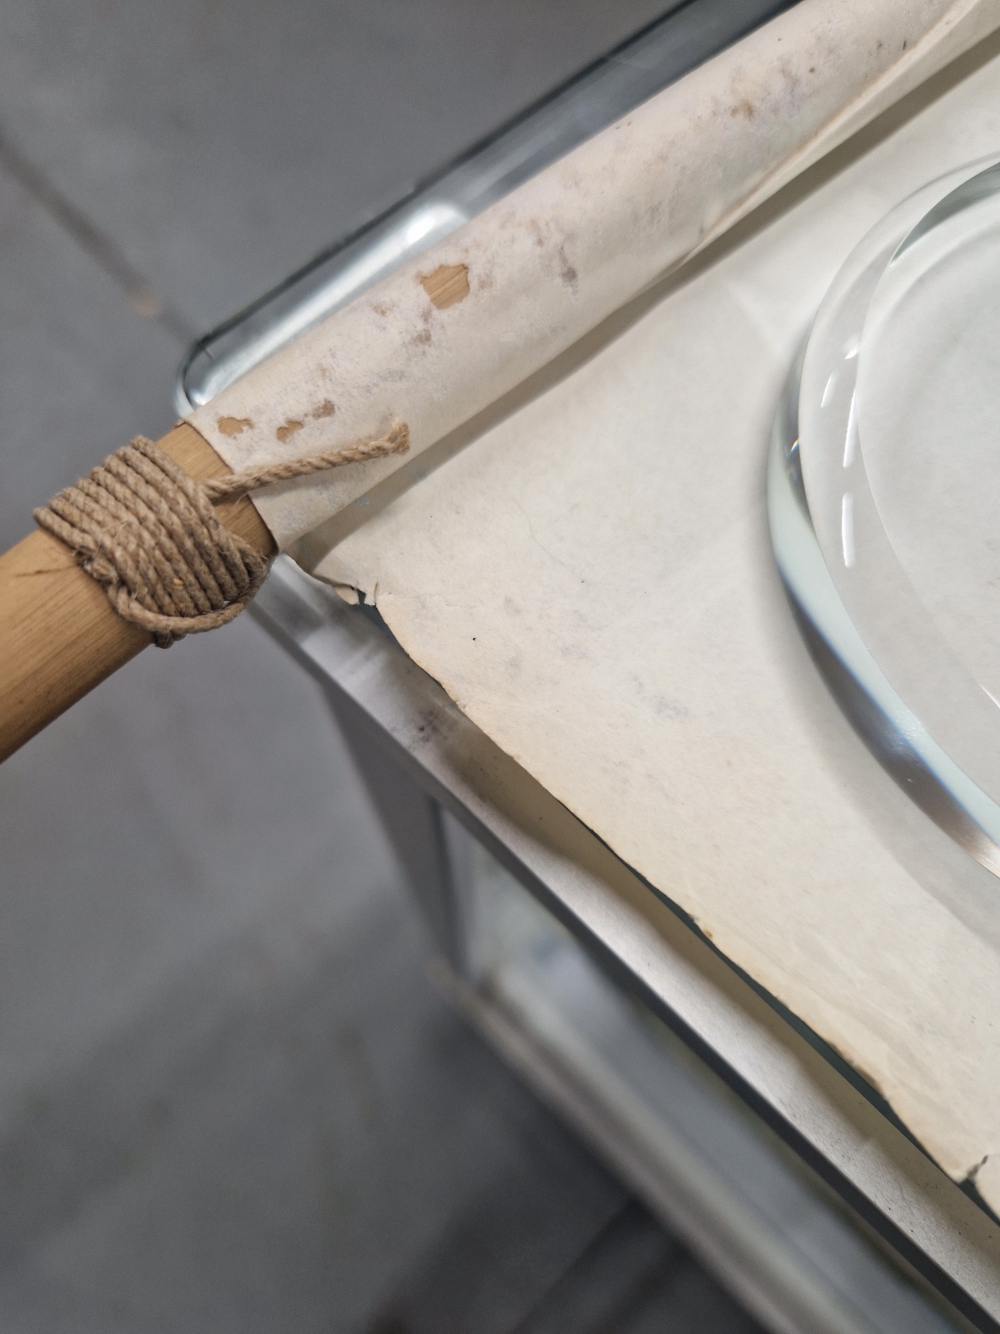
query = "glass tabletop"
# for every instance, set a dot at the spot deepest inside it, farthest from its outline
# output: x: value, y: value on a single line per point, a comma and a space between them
x: 684, y: 37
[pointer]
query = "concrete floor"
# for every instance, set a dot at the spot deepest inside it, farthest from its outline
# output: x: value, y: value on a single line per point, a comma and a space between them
x: 229, y: 1099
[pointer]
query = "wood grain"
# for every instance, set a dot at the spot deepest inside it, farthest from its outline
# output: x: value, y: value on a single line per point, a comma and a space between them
x: 447, y: 285
x: 59, y: 636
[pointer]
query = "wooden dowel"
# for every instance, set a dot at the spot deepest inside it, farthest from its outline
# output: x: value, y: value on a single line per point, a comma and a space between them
x: 59, y: 636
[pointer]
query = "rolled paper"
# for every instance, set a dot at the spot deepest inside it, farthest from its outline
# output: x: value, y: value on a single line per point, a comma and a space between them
x: 451, y: 332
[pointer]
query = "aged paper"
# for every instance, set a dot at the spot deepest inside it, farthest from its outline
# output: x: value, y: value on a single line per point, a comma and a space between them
x: 447, y: 335
x: 591, y: 580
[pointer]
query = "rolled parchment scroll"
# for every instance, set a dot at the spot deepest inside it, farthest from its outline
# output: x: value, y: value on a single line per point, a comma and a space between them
x: 454, y: 330
x: 448, y: 334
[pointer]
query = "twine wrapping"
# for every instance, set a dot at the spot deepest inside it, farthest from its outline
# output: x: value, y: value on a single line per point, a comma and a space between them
x: 146, y: 531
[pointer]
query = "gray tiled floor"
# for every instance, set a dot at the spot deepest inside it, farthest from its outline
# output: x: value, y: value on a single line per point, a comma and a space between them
x: 228, y: 1098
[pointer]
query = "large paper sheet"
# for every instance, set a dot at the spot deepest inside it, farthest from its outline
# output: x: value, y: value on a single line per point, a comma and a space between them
x: 590, y: 578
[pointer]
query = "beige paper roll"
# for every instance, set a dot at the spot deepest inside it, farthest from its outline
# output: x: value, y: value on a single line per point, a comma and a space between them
x: 448, y: 334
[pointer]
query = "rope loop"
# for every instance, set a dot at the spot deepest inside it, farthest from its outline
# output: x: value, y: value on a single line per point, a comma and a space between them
x: 147, y: 531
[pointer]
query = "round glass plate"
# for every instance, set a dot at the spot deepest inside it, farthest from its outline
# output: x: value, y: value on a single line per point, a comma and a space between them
x: 884, y: 498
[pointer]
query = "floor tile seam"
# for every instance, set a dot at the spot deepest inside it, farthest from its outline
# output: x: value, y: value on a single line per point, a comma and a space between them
x: 99, y: 245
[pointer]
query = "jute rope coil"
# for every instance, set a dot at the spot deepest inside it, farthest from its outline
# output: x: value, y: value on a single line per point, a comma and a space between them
x: 147, y: 532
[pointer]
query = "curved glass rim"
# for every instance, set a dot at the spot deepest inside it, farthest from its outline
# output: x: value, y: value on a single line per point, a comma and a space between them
x: 915, y: 749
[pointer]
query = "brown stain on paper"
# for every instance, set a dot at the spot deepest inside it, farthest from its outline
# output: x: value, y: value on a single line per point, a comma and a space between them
x: 288, y: 428
x: 293, y: 424
x: 567, y: 272
x: 234, y: 425
x: 447, y: 285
